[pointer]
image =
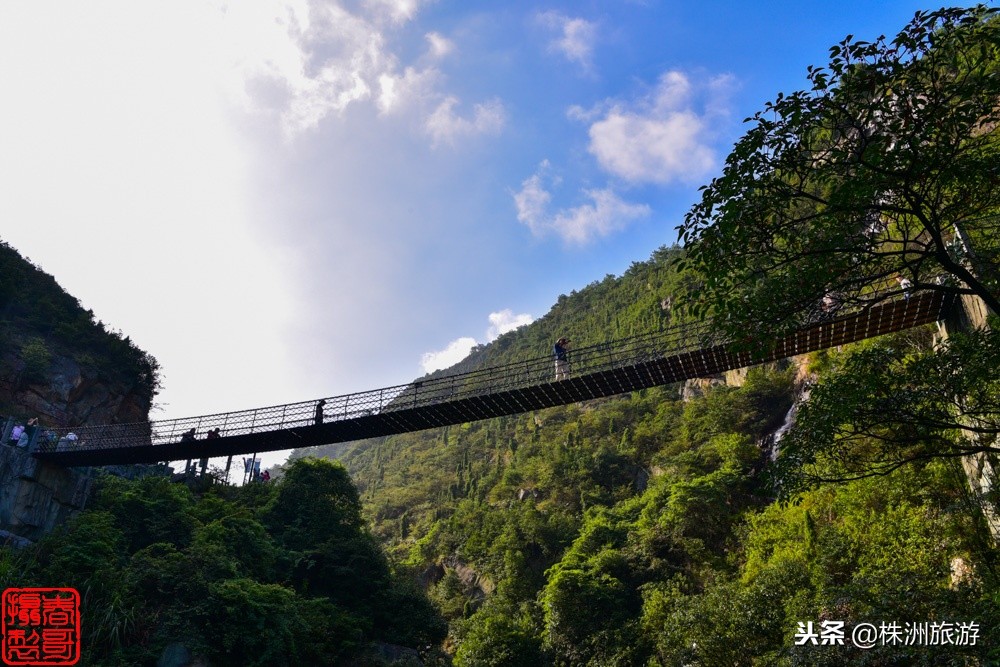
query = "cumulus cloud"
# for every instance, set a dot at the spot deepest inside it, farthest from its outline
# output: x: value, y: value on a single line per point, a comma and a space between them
x: 439, y: 45
x: 501, y: 322
x: 532, y: 201
x: 400, y: 92
x: 663, y: 137
x: 505, y: 320
x: 445, y: 126
x: 305, y: 61
x: 453, y: 353
x: 395, y: 10
x: 605, y: 214
x: 608, y: 213
x: 576, y: 36
x: 311, y: 59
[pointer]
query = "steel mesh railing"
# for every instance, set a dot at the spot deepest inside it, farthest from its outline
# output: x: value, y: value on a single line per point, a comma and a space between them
x: 583, y: 361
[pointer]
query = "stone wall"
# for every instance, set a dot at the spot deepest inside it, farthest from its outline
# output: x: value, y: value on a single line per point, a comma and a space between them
x: 35, y: 497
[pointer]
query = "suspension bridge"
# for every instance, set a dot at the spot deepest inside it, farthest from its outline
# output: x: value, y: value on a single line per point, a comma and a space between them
x: 675, y: 354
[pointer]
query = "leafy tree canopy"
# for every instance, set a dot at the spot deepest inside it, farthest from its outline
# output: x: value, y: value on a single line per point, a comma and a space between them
x: 887, y: 404
x: 886, y: 167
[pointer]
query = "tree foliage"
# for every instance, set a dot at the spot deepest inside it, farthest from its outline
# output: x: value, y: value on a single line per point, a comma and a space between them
x: 288, y: 579
x: 876, y: 171
x: 887, y: 403
x: 37, y: 311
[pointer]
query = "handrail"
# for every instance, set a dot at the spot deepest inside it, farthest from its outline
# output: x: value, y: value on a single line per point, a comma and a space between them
x: 604, y: 356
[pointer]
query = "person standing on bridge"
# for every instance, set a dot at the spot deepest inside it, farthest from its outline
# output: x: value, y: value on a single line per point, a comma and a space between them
x: 319, y: 411
x: 562, y: 358
x: 906, y: 286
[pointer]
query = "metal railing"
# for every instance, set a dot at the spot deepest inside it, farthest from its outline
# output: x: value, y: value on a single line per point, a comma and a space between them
x: 605, y: 356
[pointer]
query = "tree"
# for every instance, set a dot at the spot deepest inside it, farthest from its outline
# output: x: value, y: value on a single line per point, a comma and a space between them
x: 316, y: 501
x: 888, y: 166
x: 887, y: 405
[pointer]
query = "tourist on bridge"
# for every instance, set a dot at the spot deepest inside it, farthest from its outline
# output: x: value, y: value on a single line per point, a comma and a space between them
x: 66, y: 442
x: 15, y: 433
x: 188, y: 436
x: 319, y: 411
x: 212, y: 434
x: 906, y: 286
x: 829, y: 305
x: 562, y: 359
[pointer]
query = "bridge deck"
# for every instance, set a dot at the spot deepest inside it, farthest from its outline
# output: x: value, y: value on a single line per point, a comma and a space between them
x: 597, y: 372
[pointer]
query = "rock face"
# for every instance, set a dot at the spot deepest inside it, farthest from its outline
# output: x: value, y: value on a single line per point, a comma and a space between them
x: 66, y: 394
x: 60, y: 365
x: 35, y: 497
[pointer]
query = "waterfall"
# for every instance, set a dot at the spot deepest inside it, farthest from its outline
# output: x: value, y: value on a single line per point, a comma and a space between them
x: 775, y: 439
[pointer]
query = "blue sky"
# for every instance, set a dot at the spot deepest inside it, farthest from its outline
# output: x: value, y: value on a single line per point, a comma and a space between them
x: 286, y: 200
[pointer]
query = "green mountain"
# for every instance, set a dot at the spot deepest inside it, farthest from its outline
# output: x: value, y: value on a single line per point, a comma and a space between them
x: 645, y: 528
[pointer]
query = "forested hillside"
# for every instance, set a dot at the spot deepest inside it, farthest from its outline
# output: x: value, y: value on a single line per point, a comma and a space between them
x: 646, y: 528
x: 640, y: 301
x: 265, y: 574
x: 758, y: 519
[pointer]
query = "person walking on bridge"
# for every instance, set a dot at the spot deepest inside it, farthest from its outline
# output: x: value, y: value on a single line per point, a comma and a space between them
x: 319, y: 411
x: 562, y: 358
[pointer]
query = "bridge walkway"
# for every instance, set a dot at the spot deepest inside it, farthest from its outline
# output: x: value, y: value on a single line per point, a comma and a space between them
x: 598, y: 371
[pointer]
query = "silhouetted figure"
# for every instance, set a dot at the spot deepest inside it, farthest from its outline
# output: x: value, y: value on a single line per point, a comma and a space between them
x: 319, y: 411
x: 188, y: 436
x: 212, y: 434
x: 562, y: 358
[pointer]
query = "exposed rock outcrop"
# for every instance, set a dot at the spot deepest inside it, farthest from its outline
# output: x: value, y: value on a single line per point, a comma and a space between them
x: 35, y: 497
x: 67, y: 394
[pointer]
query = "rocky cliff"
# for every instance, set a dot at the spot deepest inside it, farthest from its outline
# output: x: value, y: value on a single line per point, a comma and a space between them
x: 64, y: 391
x: 62, y: 366
x: 35, y: 497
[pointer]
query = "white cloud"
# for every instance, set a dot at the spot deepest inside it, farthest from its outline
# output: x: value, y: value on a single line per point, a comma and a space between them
x: 578, y: 113
x: 455, y: 351
x: 320, y: 58
x: 398, y: 11
x: 607, y: 212
x: 532, y: 201
x: 402, y: 92
x: 661, y: 138
x: 576, y: 39
x: 439, y: 45
x: 445, y: 126
x: 303, y: 62
x: 501, y: 322
x: 505, y: 320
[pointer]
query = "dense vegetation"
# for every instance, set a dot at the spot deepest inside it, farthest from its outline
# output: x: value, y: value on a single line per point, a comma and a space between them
x: 41, y: 319
x: 670, y: 526
x: 644, y: 529
x: 885, y: 167
x: 267, y: 574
